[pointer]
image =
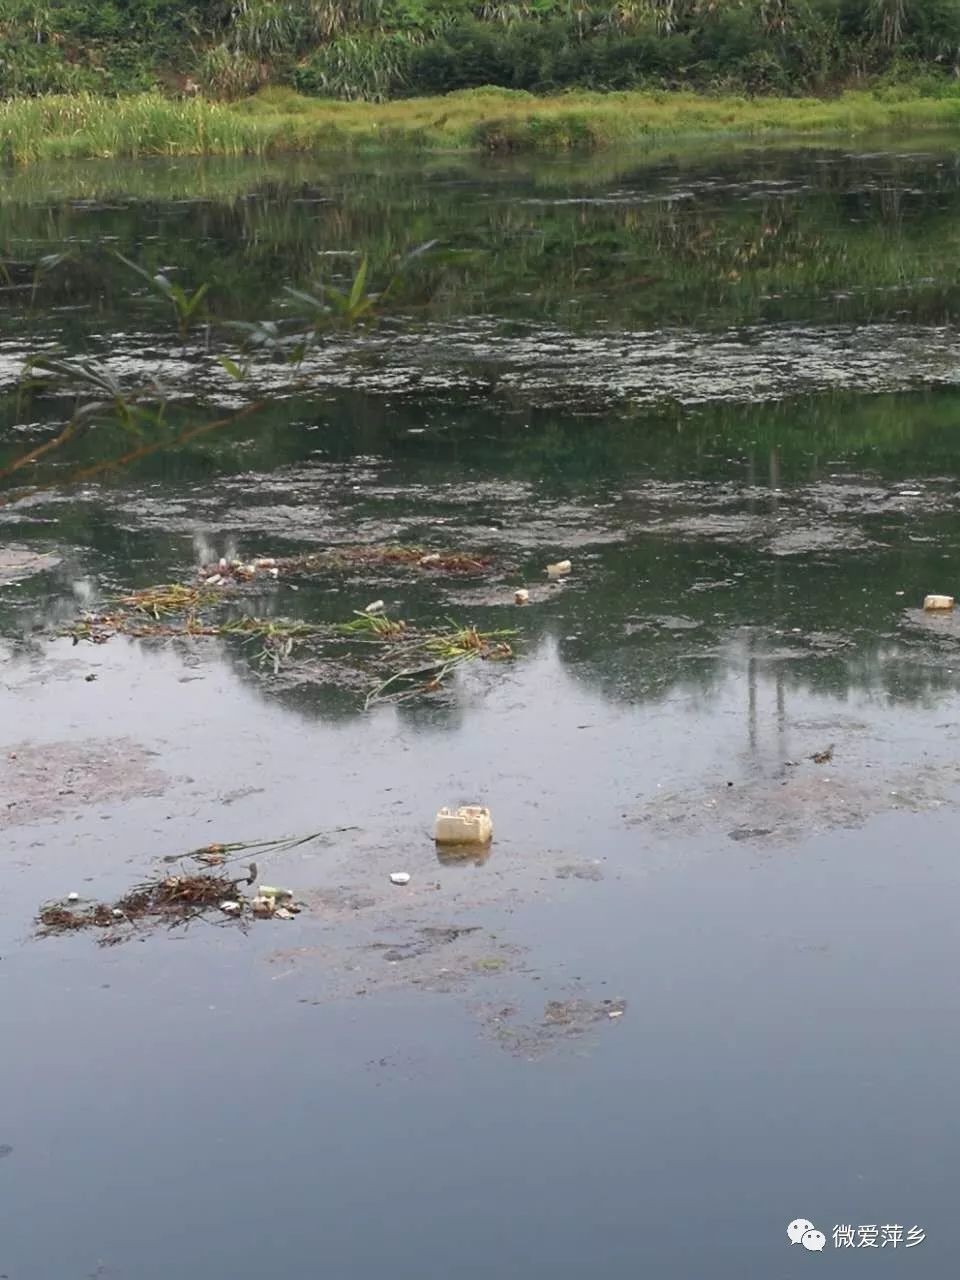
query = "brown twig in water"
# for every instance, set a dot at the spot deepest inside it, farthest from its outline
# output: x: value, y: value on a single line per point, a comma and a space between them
x: 133, y: 455
x: 68, y: 432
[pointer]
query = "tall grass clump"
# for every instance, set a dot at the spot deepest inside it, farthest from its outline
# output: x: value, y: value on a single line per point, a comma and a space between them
x: 60, y: 127
x: 85, y: 125
x: 228, y: 73
x: 367, y: 67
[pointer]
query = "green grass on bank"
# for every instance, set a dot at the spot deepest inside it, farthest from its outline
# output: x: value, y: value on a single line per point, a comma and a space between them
x: 81, y: 126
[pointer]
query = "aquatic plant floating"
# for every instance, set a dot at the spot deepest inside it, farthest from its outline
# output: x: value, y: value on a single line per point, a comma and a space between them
x: 426, y: 659
x: 403, y: 660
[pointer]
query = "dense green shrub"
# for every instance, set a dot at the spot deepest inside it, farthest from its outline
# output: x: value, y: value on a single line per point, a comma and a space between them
x: 366, y: 66
x: 27, y: 68
x: 382, y: 48
x: 225, y: 72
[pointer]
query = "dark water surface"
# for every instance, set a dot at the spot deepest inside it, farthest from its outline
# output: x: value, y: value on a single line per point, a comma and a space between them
x: 726, y: 388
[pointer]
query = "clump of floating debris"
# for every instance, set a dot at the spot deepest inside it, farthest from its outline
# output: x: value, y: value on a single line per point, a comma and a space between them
x: 170, y: 598
x: 401, y: 660
x: 172, y: 610
x: 458, y: 563
x: 419, y: 661
x: 171, y: 900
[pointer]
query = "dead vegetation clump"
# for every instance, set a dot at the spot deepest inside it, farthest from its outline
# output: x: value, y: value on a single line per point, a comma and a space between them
x: 452, y: 562
x: 168, y: 612
x: 415, y: 661
x: 178, y: 899
x: 167, y: 599
x: 59, y: 917
x: 400, y: 659
x: 455, y: 563
x: 171, y: 900
x: 178, y: 896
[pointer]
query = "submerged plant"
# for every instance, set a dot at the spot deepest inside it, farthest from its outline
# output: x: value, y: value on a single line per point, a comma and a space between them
x: 329, y: 307
x: 100, y: 391
x: 94, y: 384
x: 186, y: 305
x: 347, y: 307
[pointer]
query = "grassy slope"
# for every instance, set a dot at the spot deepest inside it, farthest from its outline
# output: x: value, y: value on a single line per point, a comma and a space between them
x: 279, y: 120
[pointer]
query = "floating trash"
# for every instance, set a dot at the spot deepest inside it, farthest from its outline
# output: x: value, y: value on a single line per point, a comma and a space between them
x: 268, y: 891
x: 470, y: 824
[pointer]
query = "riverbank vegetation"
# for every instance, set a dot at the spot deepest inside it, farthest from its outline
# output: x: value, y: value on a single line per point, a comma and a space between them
x: 85, y: 125
x: 380, y: 49
x: 234, y: 77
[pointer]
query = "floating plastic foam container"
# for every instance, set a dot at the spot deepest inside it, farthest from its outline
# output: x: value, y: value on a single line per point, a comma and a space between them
x: 271, y: 891
x: 559, y: 570
x: 938, y: 602
x: 469, y: 825
x: 522, y: 596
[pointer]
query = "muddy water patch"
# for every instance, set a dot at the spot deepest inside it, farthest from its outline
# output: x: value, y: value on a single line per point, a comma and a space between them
x: 40, y: 780
x: 557, y: 367
x: 730, y: 528
x: 526, y: 1013
x: 325, y: 504
x: 571, y: 1024
x: 775, y: 533
x: 591, y: 871
x: 17, y: 563
x: 929, y: 496
x: 800, y: 800
x: 817, y: 539
x: 439, y: 957
x: 941, y: 627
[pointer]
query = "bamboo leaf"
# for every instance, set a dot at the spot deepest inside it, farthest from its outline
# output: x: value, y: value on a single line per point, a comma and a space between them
x: 359, y: 282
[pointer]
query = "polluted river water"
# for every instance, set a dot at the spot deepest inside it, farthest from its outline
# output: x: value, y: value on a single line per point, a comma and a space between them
x: 701, y: 984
